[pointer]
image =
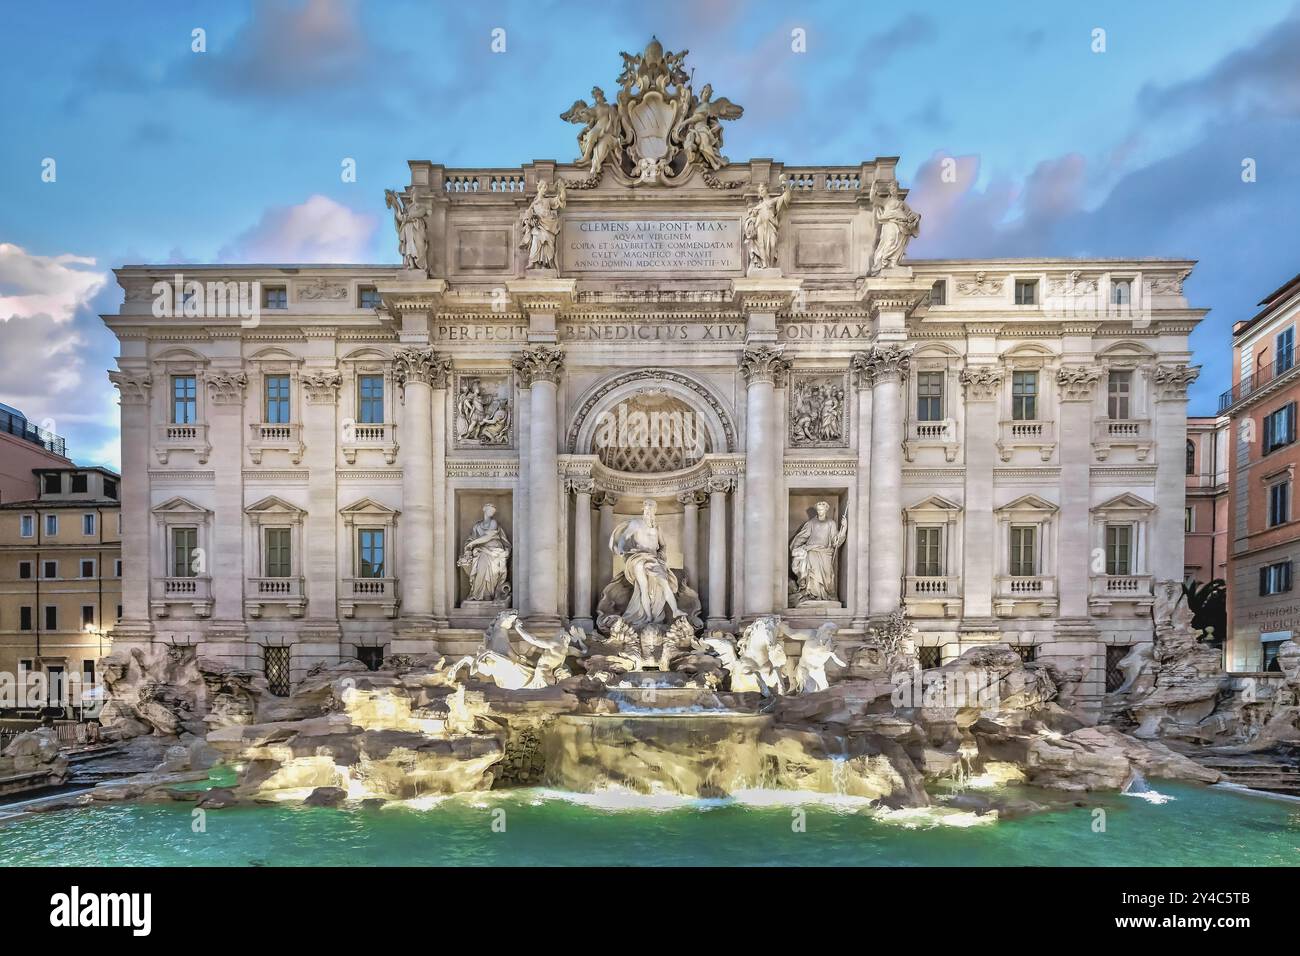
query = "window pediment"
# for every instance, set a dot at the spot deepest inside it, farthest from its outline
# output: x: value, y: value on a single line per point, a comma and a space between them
x: 1027, y: 505
x: 934, y: 505
x: 180, y: 507
x: 1124, y: 505
x: 368, y: 507
x: 274, y: 506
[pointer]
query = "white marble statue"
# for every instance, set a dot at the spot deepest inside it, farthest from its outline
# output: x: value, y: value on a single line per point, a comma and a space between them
x: 809, y: 675
x: 812, y: 557
x: 756, y: 661
x: 408, y: 218
x: 497, y: 661
x: 1138, y: 668
x: 539, y: 224
x: 699, y: 131
x: 817, y: 413
x: 645, y: 567
x: 550, y: 667
x: 763, y: 223
x: 602, y: 134
x: 485, y: 558
x: 897, y: 225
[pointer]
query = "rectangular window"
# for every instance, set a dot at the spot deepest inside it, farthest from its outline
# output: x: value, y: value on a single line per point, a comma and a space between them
x: 929, y: 396
x: 1189, y: 520
x: 1279, y: 427
x: 929, y: 561
x: 24, y: 570
x: 1119, y: 549
x: 51, y: 525
x: 117, y: 568
x: 27, y: 526
x: 275, y: 297
x: 119, y: 612
x: 370, y: 399
x: 52, y: 484
x: 185, y: 400
x: 939, y: 293
x: 1024, y: 396
x: 1284, y: 346
x: 1275, y: 578
x: 185, y: 541
x: 370, y: 549
x: 110, y: 488
x: 87, y: 568
x: 368, y: 297
x: 88, y: 524
x: 1119, y: 388
x: 1026, y: 291
x: 79, y: 484
x: 1279, y: 503
x: 25, y: 618
x: 1121, y: 292
x: 51, y: 617
x: 276, y: 664
x: 1024, y: 559
x: 277, y: 400
x: 87, y: 615
x: 277, y: 553
x: 49, y: 569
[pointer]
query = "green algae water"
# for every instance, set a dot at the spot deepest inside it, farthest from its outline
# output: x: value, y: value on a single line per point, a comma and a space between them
x: 1198, y: 827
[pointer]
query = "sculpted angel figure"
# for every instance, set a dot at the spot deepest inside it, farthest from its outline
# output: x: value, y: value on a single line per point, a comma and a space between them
x: 898, y: 225
x: 486, y: 559
x: 645, y: 565
x: 408, y: 219
x: 540, y: 224
x: 700, y: 133
x: 812, y: 555
x: 602, y: 136
x: 762, y: 222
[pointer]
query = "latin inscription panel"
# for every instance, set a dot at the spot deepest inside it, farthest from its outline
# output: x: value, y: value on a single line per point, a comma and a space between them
x: 650, y: 246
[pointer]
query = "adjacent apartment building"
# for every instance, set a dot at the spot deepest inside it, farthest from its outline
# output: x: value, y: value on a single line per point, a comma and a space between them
x: 60, y: 582
x: 1263, y: 606
x: 25, y: 446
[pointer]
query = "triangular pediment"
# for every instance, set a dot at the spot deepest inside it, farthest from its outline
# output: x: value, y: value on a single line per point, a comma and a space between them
x: 1125, y: 502
x: 367, y: 506
x: 180, y: 506
x: 934, y: 503
x: 273, y: 505
x: 1029, y: 503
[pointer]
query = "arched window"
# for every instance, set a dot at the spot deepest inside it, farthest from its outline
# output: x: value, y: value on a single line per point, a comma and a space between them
x: 1191, y: 457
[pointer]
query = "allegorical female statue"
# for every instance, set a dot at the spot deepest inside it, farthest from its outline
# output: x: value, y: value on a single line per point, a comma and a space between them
x: 812, y: 556
x: 762, y: 222
x: 539, y: 225
x: 898, y: 225
x: 408, y: 218
x: 486, y: 560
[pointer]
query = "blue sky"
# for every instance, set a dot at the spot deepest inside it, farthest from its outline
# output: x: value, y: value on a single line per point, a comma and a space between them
x: 167, y: 155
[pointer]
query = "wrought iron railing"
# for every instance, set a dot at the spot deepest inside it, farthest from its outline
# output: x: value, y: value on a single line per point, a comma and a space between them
x: 1285, y: 362
x: 17, y: 425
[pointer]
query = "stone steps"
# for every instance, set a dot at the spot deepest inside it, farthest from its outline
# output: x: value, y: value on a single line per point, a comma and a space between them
x: 1274, y: 773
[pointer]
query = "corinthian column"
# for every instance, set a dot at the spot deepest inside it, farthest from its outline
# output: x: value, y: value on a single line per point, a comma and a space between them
x: 860, y: 555
x: 416, y: 369
x: 888, y: 365
x: 762, y: 366
x: 983, y: 385
x: 1171, y: 382
x: 718, y: 488
x: 605, y: 500
x: 134, y: 387
x: 691, y: 501
x: 1075, y: 385
x: 539, y: 371
x: 581, y: 488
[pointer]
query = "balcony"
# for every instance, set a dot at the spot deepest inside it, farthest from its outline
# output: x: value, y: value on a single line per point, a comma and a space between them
x: 285, y: 437
x: 940, y: 434
x: 1038, y: 435
x: 1111, y: 433
x: 933, y: 596
x: 1015, y: 593
x: 191, y: 436
x: 1107, y: 590
x: 1284, y: 364
x: 370, y: 436
x: 195, y: 591
x: 277, y: 592
x: 374, y: 592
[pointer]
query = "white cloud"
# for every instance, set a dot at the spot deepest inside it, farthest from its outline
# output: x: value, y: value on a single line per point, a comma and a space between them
x: 317, y: 230
x: 52, y: 286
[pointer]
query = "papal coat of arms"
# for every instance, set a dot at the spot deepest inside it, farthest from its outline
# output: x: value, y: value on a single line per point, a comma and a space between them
x: 657, y: 130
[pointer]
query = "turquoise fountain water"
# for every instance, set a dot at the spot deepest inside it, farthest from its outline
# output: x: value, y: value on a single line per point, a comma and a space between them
x: 1198, y: 827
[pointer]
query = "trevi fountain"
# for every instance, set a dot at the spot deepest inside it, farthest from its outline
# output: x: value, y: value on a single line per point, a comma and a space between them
x: 854, y: 648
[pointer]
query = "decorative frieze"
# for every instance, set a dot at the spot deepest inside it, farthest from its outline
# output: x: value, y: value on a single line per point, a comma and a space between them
x: 980, y: 285
x: 1075, y: 383
x: 322, y: 385
x: 226, y: 388
x: 818, y: 415
x: 133, y: 387
x: 1172, y: 381
x: 484, y: 412
x: 983, y: 383
x: 323, y: 290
